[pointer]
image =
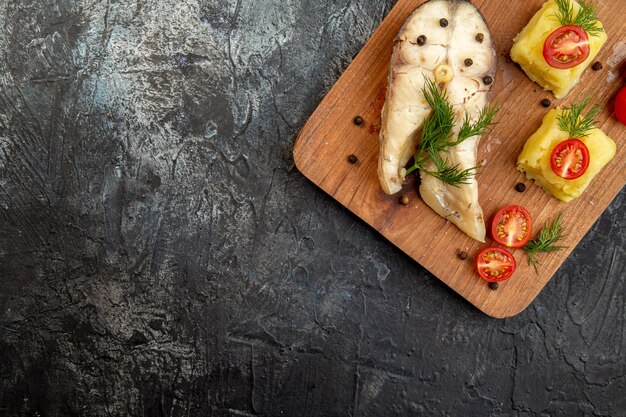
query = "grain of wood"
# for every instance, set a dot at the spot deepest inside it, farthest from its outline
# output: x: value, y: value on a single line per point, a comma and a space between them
x: 330, y: 136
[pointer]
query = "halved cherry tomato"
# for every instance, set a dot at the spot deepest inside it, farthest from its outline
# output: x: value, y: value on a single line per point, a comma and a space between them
x: 566, y: 47
x: 570, y: 159
x: 620, y: 106
x: 512, y: 226
x: 495, y: 264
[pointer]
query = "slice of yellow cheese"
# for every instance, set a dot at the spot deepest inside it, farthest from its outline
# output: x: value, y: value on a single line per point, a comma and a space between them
x: 527, y: 51
x: 535, y: 158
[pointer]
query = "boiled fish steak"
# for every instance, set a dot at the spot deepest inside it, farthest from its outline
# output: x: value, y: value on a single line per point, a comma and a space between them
x: 449, y: 42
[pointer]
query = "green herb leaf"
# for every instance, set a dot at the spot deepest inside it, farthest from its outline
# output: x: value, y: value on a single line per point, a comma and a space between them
x: 437, y: 128
x: 546, y: 241
x: 451, y: 174
x: 571, y: 120
x: 565, y: 14
x: 586, y: 17
x: 437, y: 137
x: 481, y: 127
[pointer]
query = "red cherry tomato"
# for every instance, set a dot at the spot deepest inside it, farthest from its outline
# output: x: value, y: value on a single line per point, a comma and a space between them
x: 512, y: 226
x: 495, y: 264
x: 620, y: 106
x: 570, y: 159
x: 566, y: 47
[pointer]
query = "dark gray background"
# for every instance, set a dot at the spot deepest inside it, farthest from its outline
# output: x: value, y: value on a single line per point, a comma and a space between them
x: 159, y: 255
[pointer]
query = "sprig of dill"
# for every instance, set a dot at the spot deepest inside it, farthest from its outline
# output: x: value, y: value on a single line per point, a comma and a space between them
x: 437, y: 137
x: 437, y: 129
x: 571, y: 120
x: 545, y: 241
x: 481, y: 127
x: 586, y: 17
x: 449, y: 173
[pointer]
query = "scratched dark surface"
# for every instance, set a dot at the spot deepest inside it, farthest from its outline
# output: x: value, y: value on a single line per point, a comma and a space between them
x: 159, y: 255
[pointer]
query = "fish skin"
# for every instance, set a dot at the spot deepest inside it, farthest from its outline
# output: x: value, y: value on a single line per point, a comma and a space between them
x: 405, y: 108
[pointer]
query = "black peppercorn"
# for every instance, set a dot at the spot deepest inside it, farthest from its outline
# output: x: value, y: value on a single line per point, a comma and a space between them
x: 404, y: 200
x: 462, y: 255
x: 443, y: 23
x: 352, y: 159
x: 597, y: 66
x: 358, y: 120
x: 468, y: 62
x: 421, y: 40
x: 545, y: 102
x: 493, y: 286
x: 520, y: 187
x: 480, y: 37
x: 487, y: 79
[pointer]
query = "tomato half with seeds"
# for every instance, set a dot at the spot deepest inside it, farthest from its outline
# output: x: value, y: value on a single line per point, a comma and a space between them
x: 495, y: 264
x: 570, y: 159
x: 512, y: 226
x: 566, y: 47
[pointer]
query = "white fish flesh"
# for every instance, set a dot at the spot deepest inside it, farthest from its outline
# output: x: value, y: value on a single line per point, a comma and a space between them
x: 449, y: 42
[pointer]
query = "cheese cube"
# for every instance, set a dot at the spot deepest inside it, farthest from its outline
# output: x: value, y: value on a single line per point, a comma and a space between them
x: 527, y: 51
x: 535, y: 158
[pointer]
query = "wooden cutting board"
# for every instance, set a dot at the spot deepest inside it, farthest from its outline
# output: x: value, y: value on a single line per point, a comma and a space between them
x: 330, y: 136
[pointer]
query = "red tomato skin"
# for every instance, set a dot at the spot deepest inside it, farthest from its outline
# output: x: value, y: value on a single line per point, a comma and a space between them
x: 548, y: 49
x: 620, y: 106
x: 511, y: 267
x: 578, y: 144
x: 495, y: 220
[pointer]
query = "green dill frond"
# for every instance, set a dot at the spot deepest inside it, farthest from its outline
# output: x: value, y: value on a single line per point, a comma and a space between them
x: 565, y: 14
x: 574, y: 123
x: 546, y: 241
x: 438, y: 127
x: 481, y: 127
x: 586, y: 17
x: 437, y: 137
x: 451, y: 174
